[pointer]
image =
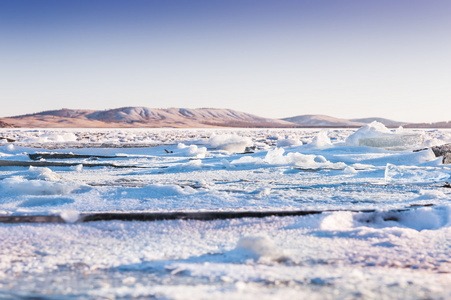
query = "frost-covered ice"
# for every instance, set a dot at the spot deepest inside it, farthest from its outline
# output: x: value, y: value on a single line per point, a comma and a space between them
x: 385, y: 232
x: 376, y: 134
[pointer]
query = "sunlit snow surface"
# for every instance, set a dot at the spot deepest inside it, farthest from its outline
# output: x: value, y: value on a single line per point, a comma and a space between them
x: 400, y: 250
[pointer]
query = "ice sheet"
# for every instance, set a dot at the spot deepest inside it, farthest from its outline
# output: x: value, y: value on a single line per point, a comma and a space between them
x: 396, y: 247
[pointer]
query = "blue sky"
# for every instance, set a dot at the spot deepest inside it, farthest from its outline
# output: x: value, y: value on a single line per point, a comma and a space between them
x: 387, y: 58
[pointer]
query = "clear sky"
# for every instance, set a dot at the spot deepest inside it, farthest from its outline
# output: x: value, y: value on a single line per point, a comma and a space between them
x: 344, y: 58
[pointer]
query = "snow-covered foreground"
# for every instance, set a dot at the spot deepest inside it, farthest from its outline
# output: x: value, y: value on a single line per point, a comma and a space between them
x: 385, y: 231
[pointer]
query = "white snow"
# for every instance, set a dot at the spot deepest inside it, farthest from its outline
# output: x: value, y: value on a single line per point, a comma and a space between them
x: 385, y: 230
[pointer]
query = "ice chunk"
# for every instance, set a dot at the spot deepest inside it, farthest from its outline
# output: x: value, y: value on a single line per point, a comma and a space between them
x: 372, y: 130
x: 304, y: 161
x: 42, y: 174
x: 77, y: 168
x: 322, y: 140
x: 50, y: 136
x: 349, y: 170
x: 262, y: 192
x: 377, y: 135
x: 405, y: 174
x: 70, y: 216
x: 129, y: 280
x: 247, y: 160
x: 288, y: 142
x: 430, y: 195
x: 156, y: 190
x: 192, y: 150
x: 337, y: 221
x: 226, y: 164
x: 320, y: 159
x: 393, y: 141
x: 230, y: 142
x: 358, y: 166
x: 260, y: 249
x: 38, y: 181
x: 422, y: 218
x: 195, y: 164
x: 276, y: 157
x: 19, y: 185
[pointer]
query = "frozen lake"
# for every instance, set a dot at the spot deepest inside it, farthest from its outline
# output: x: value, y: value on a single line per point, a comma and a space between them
x: 384, y: 230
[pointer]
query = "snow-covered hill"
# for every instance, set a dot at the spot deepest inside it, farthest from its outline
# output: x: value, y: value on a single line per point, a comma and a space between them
x: 322, y: 120
x: 5, y: 125
x: 146, y: 117
x: 444, y: 124
x: 386, y: 122
x: 328, y: 121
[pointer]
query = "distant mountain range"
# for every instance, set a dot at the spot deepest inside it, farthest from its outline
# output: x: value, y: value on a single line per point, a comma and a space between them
x: 143, y: 117
x: 328, y: 121
x: 5, y: 125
